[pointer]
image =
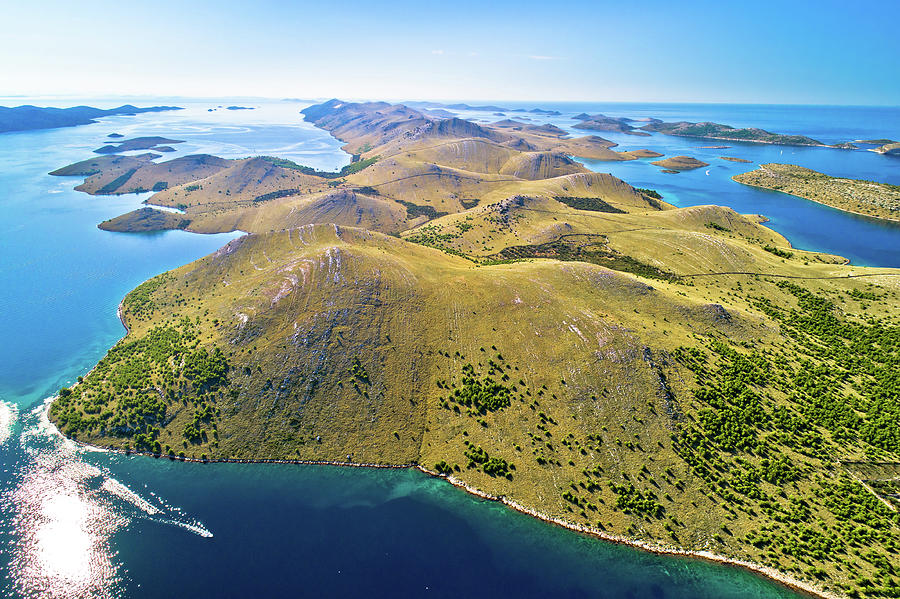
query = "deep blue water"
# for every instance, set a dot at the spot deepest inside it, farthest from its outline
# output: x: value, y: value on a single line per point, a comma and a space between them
x: 75, y: 523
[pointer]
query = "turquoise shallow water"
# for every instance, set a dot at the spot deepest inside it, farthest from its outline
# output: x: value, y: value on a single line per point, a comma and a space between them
x: 75, y: 523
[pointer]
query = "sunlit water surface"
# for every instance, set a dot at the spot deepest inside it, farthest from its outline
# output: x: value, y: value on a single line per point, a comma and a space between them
x: 80, y: 523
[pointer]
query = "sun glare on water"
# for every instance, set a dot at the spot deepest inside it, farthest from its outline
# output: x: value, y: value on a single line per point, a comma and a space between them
x: 63, y: 549
x: 65, y: 512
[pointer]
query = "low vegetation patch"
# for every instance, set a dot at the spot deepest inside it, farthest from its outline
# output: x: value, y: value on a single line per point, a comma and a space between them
x: 778, y: 252
x: 274, y: 195
x: 591, y: 204
x: 141, y: 385
x: 415, y: 211
x: 567, y: 249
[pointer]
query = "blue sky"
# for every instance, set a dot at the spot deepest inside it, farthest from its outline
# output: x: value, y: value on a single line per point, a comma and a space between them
x: 786, y: 51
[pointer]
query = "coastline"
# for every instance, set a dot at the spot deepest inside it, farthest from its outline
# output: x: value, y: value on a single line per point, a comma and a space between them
x: 121, y: 314
x: 772, y: 574
x: 765, y: 571
x: 877, y: 218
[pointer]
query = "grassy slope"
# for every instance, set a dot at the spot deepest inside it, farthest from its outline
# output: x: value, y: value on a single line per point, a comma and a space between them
x: 710, y: 406
x: 878, y: 200
x: 346, y: 342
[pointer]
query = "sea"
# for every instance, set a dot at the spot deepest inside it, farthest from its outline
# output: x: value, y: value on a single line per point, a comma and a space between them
x: 82, y: 523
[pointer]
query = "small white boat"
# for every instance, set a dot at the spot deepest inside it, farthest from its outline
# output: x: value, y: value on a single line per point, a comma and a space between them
x: 707, y: 173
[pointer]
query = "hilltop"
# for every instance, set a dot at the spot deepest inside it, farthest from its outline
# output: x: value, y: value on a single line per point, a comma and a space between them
x: 878, y: 200
x: 678, y: 377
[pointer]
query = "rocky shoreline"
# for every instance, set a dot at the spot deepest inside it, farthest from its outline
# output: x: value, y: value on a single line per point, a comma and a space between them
x: 806, y: 588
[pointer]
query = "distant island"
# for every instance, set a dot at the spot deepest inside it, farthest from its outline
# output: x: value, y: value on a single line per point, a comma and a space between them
x: 482, y: 108
x: 469, y: 300
x: 545, y: 112
x: 25, y: 118
x: 878, y: 200
x: 708, y: 130
x: 875, y: 142
x: 599, y: 122
x: 725, y: 132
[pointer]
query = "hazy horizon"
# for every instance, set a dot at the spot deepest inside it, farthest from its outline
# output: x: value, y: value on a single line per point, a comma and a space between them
x: 471, y: 101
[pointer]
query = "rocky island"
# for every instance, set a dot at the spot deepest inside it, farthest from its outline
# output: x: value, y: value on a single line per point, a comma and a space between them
x: 878, y: 200
x: 469, y: 300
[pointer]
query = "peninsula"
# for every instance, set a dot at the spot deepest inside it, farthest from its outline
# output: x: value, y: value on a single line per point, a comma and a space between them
x: 878, y: 200
x: 471, y: 300
x: 25, y: 118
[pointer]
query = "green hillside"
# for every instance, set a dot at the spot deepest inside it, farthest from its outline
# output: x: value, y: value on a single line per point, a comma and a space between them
x: 678, y: 377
